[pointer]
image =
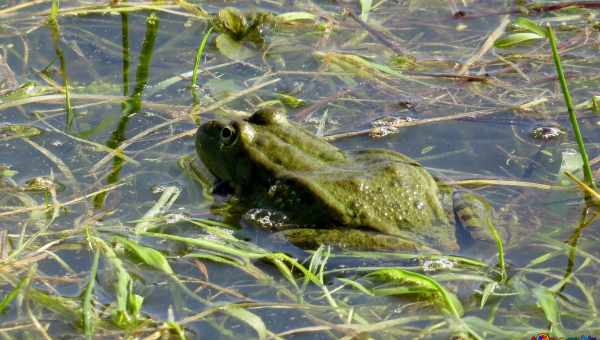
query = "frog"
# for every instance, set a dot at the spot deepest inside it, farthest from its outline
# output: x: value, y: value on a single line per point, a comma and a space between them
x: 361, y: 199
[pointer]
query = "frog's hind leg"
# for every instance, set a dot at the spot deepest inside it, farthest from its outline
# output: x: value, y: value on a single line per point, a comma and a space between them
x: 474, y: 220
x: 350, y: 239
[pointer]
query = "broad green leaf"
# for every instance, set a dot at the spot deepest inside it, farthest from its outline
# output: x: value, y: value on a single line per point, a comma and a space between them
x: 233, y: 49
x: 295, y: 16
x: 517, y: 38
x: 531, y: 26
x: 151, y: 257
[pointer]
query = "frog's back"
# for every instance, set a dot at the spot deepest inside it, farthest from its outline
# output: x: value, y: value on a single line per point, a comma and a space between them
x: 377, y: 189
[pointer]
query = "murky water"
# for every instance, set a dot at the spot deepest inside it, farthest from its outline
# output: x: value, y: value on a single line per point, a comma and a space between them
x: 421, y: 71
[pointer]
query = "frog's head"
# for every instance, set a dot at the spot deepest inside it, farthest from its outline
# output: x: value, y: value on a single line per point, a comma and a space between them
x: 217, y: 145
x: 229, y: 150
x: 265, y: 145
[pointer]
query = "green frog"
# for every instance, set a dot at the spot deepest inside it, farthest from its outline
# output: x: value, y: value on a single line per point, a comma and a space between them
x: 366, y: 199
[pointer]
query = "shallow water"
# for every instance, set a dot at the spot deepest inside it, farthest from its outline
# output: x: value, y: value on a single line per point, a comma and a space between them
x: 128, y: 68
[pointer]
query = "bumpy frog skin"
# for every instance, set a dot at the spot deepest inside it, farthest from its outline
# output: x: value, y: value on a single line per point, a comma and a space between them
x: 279, y: 165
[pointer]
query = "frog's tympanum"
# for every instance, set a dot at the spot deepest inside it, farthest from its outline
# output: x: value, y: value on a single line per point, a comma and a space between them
x: 372, y: 198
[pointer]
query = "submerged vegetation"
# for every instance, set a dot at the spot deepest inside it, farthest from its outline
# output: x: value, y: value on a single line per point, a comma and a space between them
x: 104, y: 232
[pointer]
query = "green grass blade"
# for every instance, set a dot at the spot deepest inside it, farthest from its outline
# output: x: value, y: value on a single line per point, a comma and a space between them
x: 151, y: 257
x: 450, y: 301
x: 167, y: 198
x: 249, y: 318
x: 547, y: 301
x: 587, y: 170
x: 530, y: 25
x: 88, y: 312
x: 198, y: 57
x: 121, y: 315
x: 125, y: 51
x: 55, y: 31
x: 515, y: 39
x: 365, y: 8
x: 23, y: 284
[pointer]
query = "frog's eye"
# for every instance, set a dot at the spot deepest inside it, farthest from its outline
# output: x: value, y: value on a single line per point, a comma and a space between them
x: 228, y: 135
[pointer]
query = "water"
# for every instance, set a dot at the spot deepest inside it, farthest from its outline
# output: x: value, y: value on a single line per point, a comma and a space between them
x: 123, y: 66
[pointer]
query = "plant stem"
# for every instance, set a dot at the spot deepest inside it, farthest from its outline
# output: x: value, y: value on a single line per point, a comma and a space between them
x: 587, y: 170
x: 198, y: 57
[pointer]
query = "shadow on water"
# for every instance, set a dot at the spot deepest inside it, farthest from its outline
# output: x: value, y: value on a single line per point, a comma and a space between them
x: 134, y: 104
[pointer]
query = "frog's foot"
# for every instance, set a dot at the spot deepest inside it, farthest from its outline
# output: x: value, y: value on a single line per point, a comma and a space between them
x: 350, y: 239
x: 474, y: 220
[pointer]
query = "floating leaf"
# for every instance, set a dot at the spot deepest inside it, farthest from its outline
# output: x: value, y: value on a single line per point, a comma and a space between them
x: 232, y: 48
x: 517, y: 38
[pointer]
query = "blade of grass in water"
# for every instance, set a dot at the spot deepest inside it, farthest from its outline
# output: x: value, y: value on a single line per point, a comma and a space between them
x: 23, y: 284
x: 587, y: 170
x: 450, y: 301
x: 88, y: 313
x: 198, y: 57
x: 54, y: 29
x: 125, y: 51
